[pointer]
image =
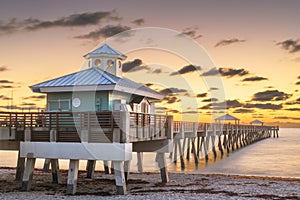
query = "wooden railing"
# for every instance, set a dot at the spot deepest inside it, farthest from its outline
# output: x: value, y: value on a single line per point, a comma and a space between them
x: 110, y: 126
x: 85, y: 126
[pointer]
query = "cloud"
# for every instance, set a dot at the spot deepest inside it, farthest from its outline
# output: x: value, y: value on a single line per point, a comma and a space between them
x: 190, y: 112
x: 186, y: 69
x: 223, y: 105
x: 35, y: 97
x: 74, y: 20
x: 28, y: 104
x: 13, y: 107
x: 5, y: 98
x: 170, y: 99
x: 213, y: 88
x: 138, y: 22
x: 293, y: 109
x: 106, y: 31
x: 268, y: 106
x: 173, y: 111
x: 148, y: 84
x: 211, y: 72
x: 255, y: 78
x: 255, y: 115
x: 168, y: 91
x: 3, y: 68
x: 82, y: 19
x: 134, y: 66
x: 243, y: 110
x: 171, y: 94
x: 201, y: 95
x: 6, y: 81
x: 285, y: 117
x: 270, y: 95
x: 292, y: 46
x: 229, y: 42
x: 210, y: 100
x: 157, y: 71
x: 295, y: 102
x: 6, y: 86
x: 191, y: 32
x: 226, y: 72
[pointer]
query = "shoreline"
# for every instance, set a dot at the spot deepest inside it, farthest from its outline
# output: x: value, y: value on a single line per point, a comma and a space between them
x: 148, y: 186
x: 261, y: 177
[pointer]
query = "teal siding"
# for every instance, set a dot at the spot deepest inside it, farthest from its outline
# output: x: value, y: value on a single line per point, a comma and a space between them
x: 62, y: 101
x: 92, y: 101
x: 115, y: 95
x: 89, y: 101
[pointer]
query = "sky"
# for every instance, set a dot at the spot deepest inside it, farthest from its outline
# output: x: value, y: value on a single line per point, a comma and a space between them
x: 252, y: 47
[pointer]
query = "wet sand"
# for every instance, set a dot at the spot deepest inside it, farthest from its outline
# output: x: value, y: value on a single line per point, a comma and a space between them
x: 148, y: 186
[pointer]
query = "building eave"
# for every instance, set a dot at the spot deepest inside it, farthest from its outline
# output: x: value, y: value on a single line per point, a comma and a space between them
x: 83, y: 88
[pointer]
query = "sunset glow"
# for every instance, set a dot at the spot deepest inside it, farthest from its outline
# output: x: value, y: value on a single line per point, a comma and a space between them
x: 254, y: 45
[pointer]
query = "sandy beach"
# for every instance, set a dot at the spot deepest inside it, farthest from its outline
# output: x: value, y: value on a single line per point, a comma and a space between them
x: 148, y: 186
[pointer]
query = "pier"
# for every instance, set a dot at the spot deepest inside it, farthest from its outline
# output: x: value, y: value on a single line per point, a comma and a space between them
x: 113, y: 136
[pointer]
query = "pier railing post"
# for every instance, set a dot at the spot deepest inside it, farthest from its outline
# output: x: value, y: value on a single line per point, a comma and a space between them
x: 170, y: 127
x: 125, y: 126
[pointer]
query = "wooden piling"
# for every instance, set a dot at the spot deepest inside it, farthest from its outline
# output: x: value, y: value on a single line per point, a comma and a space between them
x: 160, y: 158
x: 28, y: 174
x: 72, y: 176
x: 140, y: 156
x: 91, y: 164
x: 126, y: 169
x: 46, y: 165
x: 20, y: 167
x: 120, y: 177
x: 56, y: 177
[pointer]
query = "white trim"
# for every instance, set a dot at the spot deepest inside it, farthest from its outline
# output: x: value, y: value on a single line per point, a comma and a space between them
x: 77, y: 151
x: 101, y: 88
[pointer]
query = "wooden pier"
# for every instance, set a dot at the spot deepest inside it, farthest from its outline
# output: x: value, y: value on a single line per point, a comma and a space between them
x: 114, y: 136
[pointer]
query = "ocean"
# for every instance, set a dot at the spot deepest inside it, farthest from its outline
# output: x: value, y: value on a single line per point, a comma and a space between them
x: 278, y: 157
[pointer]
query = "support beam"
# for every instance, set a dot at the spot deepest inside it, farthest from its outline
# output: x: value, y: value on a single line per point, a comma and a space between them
x: 28, y: 174
x: 56, y: 177
x: 194, y: 152
x: 46, y: 165
x: 72, y: 176
x: 160, y: 158
x: 120, y: 177
x: 126, y: 169
x: 91, y: 164
x: 181, y: 153
x: 20, y: 167
x: 106, y: 166
x: 140, y: 156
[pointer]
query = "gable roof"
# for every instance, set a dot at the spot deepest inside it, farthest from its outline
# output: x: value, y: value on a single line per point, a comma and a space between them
x: 105, y: 50
x: 94, y: 79
x: 256, y: 122
x: 227, y: 117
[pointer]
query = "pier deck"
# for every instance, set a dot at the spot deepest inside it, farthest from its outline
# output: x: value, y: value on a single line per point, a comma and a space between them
x: 113, y: 136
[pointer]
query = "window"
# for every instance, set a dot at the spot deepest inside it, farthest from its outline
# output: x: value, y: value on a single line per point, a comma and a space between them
x: 110, y: 63
x: 97, y: 62
x: 59, y: 105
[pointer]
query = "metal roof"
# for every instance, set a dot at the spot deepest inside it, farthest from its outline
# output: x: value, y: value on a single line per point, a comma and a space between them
x: 256, y: 122
x: 96, y: 77
x: 227, y: 117
x: 106, y: 50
